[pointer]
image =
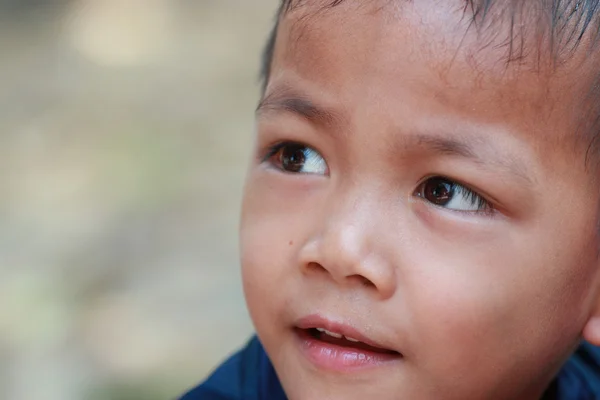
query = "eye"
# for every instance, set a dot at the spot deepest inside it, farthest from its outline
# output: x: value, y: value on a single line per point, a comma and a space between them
x: 297, y: 158
x: 445, y: 193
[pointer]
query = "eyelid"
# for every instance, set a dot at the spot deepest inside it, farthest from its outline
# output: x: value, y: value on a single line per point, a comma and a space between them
x: 481, y: 193
x: 487, y: 207
x: 271, y: 151
x: 490, y: 202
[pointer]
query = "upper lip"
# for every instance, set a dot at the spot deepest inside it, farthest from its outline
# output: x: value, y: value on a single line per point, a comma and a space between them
x: 317, y: 321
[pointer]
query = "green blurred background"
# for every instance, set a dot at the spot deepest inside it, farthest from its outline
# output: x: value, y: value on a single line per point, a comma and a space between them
x: 125, y: 127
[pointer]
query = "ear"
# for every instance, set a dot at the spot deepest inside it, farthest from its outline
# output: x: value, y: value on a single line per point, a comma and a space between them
x: 591, y: 330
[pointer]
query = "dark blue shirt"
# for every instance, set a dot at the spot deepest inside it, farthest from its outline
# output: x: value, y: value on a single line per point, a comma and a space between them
x: 249, y: 375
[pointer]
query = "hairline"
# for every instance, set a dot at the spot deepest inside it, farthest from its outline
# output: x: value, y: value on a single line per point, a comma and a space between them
x: 570, y: 21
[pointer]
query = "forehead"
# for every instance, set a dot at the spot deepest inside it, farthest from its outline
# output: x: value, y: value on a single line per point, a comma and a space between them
x: 429, y: 51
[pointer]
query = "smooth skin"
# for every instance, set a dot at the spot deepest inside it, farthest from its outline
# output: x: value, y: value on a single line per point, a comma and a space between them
x: 409, y: 182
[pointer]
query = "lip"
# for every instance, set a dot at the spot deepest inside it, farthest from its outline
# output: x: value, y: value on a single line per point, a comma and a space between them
x: 339, y: 358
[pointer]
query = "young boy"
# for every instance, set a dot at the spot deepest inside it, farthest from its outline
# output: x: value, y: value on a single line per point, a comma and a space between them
x: 421, y: 216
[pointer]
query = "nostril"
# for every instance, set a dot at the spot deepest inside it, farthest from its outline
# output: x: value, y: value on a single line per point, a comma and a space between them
x: 366, y: 282
x: 316, y: 267
x: 362, y: 280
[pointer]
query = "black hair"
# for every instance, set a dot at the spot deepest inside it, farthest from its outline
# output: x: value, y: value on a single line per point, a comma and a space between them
x: 564, y: 25
x: 568, y: 21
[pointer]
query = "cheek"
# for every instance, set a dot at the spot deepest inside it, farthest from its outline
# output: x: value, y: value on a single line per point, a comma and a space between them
x: 271, y: 225
x: 263, y: 262
x: 459, y: 319
x: 506, y: 299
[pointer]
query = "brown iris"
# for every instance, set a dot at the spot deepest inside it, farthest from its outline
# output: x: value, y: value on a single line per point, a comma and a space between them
x: 438, y: 191
x: 292, y: 157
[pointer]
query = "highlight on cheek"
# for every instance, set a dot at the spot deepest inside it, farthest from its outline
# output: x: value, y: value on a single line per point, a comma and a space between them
x: 445, y: 193
x: 296, y: 158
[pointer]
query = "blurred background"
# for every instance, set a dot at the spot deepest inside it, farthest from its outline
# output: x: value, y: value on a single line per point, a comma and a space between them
x: 125, y: 127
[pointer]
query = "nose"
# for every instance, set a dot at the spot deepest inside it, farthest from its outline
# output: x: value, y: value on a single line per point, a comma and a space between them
x: 346, y: 248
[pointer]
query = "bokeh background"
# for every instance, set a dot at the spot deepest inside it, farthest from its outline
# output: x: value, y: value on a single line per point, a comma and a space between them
x: 125, y: 128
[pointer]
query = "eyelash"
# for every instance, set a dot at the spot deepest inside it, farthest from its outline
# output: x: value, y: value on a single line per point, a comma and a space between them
x: 474, y: 198
x: 469, y: 196
x: 274, y: 149
x: 296, y: 158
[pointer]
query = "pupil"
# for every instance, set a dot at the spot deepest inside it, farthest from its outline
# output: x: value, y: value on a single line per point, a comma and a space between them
x: 293, y: 158
x: 438, y: 191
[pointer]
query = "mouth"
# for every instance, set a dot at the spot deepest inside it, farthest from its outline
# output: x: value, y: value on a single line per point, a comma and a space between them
x: 325, y: 336
x: 340, y: 348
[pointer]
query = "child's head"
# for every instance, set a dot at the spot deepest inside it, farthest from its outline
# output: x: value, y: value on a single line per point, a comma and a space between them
x: 425, y: 179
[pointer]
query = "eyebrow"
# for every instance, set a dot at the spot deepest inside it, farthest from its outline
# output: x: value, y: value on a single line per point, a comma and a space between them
x: 287, y: 101
x: 284, y: 101
x: 466, y: 147
x: 446, y: 146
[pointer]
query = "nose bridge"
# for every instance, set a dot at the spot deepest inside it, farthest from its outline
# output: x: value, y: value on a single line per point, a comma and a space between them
x: 347, y: 245
x: 346, y: 227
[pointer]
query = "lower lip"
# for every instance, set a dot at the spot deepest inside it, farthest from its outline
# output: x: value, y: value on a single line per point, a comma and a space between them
x: 332, y: 357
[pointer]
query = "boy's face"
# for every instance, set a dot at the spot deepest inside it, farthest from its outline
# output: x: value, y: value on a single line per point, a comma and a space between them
x: 412, y: 189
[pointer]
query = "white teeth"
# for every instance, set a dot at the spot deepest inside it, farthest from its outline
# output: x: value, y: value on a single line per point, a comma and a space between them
x: 337, y: 335
x: 325, y: 331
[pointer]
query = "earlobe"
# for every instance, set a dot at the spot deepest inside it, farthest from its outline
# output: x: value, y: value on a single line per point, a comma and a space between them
x: 591, y: 330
